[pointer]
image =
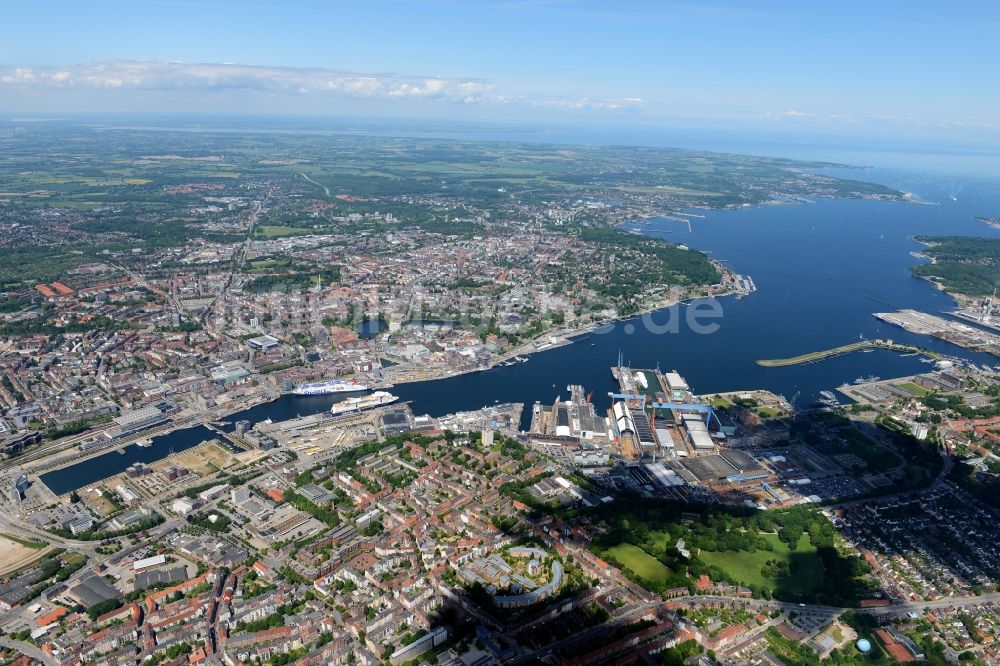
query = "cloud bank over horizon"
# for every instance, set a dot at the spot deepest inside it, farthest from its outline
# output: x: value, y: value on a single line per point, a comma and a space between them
x: 302, y: 82
x: 145, y: 86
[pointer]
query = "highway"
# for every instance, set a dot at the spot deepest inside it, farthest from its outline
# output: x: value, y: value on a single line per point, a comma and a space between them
x: 325, y: 188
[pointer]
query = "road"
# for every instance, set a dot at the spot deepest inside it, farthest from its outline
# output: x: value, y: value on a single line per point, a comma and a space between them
x: 904, y: 607
x: 325, y: 188
x: 29, y: 650
x: 20, y: 529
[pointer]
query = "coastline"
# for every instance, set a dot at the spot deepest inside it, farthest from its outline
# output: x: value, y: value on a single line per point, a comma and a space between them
x: 565, y: 336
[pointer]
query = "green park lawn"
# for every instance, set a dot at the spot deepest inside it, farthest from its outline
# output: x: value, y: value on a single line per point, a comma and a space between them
x: 640, y: 563
x: 745, y: 567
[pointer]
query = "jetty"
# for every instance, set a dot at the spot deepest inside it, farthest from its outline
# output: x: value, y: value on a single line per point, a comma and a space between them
x: 861, y: 345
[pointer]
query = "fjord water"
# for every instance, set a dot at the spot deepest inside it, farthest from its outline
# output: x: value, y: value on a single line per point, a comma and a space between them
x: 821, y: 270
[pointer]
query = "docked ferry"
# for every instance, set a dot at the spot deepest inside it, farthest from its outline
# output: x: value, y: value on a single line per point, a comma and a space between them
x: 328, y: 387
x: 363, y: 402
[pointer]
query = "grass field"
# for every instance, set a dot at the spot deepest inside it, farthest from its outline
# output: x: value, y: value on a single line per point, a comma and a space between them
x: 204, y: 459
x: 746, y: 567
x: 846, y: 349
x: 266, y: 264
x: 814, y: 356
x: 662, y: 539
x: 640, y: 563
x: 720, y: 402
x: 910, y: 387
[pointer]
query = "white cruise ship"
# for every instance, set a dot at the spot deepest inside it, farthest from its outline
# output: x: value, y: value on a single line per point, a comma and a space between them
x: 328, y: 387
x: 363, y: 402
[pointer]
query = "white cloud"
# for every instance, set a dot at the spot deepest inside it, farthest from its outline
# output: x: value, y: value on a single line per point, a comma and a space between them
x: 294, y: 81
x: 149, y: 75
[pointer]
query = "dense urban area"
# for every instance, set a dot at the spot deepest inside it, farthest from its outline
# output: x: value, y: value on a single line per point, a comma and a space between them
x: 158, y: 287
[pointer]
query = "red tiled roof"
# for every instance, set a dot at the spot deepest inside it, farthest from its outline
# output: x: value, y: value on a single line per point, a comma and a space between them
x: 52, y: 616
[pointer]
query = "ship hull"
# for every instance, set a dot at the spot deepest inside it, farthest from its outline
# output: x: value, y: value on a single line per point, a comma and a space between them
x: 350, y: 406
x: 328, y: 388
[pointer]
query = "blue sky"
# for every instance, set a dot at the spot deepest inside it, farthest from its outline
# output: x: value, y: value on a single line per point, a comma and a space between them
x: 916, y: 68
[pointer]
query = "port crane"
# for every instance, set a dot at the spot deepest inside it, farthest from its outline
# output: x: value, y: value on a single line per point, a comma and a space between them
x: 630, y: 396
x: 704, y: 409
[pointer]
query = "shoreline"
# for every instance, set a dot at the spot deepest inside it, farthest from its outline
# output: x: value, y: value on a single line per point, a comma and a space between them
x: 566, y: 336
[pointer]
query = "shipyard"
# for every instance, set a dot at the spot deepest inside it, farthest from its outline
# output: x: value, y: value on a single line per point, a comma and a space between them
x: 661, y: 439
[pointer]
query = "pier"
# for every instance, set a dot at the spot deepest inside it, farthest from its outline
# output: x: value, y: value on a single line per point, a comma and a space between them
x: 846, y: 349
